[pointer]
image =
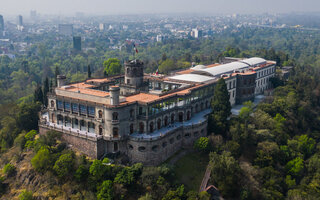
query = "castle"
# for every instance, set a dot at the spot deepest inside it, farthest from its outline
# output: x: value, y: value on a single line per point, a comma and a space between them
x: 147, y: 117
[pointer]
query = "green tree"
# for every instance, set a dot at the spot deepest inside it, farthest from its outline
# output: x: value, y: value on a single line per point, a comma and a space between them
x: 45, y: 91
x: 105, y: 191
x: 64, y: 165
x: 221, y: 108
x: 112, y: 66
x: 146, y: 197
x: 89, y: 71
x: 202, y: 144
x: 125, y: 177
x: 26, y: 195
x: 97, y: 169
x: 167, y: 66
x: 295, y: 167
x: 9, y: 169
x: 27, y: 118
x: 42, y: 160
x: 226, y: 173
x: 38, y: 95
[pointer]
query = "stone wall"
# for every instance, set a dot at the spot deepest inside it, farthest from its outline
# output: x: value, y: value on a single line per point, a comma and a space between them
x: 92, y: 147
x: 156, y: 151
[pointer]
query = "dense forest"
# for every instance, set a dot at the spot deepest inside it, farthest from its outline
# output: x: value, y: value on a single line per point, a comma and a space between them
x: 267, y: 152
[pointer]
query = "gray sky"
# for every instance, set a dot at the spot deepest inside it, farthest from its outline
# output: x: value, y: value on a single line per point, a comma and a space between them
x: 157, y: 6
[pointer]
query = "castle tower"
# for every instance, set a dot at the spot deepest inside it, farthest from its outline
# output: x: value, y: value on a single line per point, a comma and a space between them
x: 114, y: 95
x: 134, y: 73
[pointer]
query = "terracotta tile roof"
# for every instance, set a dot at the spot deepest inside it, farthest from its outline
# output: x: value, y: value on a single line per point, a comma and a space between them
x: 81, y: 85
x: 87, y: 91
x: 99, y: 80
x: 187, y: 71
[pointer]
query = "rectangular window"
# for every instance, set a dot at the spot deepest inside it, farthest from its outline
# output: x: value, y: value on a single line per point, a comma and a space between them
x: 91, y: 111
x: 67, y: 106
x: 83, y: 109
x: 60, y: 105
x: 75, y: 107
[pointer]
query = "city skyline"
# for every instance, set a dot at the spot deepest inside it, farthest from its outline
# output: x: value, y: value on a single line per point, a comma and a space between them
x: 67, y: 7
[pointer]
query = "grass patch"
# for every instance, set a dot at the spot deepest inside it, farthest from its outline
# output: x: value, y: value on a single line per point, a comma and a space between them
x: 190, y: 168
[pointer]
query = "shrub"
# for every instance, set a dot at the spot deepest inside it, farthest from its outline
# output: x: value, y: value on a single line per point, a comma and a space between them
x: 26, y: 195
x: 30, y: 135
x: 64, y: 165
x: 42, y: 160
x: 9, y: 169
x: 105, y: 191
x: 202, y: 144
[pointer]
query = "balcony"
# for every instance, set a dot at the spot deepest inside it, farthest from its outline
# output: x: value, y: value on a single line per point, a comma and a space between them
x: 114, y: 122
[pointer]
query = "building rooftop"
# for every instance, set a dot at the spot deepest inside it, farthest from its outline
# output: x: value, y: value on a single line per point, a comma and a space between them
x: 192, y: 78
x: 221, y: 69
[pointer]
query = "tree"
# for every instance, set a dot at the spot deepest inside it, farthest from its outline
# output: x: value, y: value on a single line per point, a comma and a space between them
x: 42, y: 160
x: 295, y: 166
x: 202, y: 144
x: 38, y: 95
x: 9, y: 169
x: 105, y: 191
x: 27, y: 118
x: 221, y: 108
x: 97, y: 169
x: 112, y: 66
x: 146, y: 197
x: 167, y: 66
x: 125, y: 177
x: 45, y: 91
x: 56, y: 73
x: 226, y: 173
x: 89, y: 71
x: 64, y: 165
x: 26, y: 195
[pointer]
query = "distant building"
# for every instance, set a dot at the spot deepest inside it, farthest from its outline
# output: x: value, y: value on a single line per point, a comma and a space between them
x: 1, y: 23
x: 20, y: 23
x: 196, y: 33
x: 102, y: 26
x: 159, y: 38
x: 20, y: 20
x: 33, y: 14
x: 65, y: 29
x: 77, y: 43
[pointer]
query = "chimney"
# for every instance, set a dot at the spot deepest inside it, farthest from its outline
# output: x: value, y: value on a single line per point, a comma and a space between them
x: 61, y: 80
x: 114, y: 95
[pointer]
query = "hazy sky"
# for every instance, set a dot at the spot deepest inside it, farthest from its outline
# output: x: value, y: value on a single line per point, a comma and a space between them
x: 157, y: 6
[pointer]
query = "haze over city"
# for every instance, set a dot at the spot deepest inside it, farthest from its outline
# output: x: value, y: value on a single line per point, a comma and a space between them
x: 108, y: 7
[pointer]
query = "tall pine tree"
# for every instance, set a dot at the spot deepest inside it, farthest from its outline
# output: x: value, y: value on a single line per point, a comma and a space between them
x: 221, y: 109
x: 38, y: 95
x: 89, y: 71
x: 45, y: 91
x: 57, y: 72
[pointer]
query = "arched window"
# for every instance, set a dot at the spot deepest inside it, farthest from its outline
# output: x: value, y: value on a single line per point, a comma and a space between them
x: 188, y: 115
x: 207, y: 104
x: 201, y: 106
x: 141, y: 127
x: 166, y: 120
x: 52, y: 104
x: 197, y: 108
x: 151, y: 127
x: 159, y: 123
x: 115, y: 146
x: 131, y: 113
x: 128, y: 70
x: 115, y: 132
x: 172, y: 118
x: 100, y: 113
x: 131, y: 128
x: 180, y: 116
x: 100, y: 130
x: 115, y: 116
x: 52, y: 117
x: 60, y: 119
